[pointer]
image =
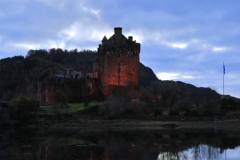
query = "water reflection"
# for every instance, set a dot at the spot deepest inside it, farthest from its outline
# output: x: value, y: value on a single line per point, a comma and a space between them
x: 112, y: 145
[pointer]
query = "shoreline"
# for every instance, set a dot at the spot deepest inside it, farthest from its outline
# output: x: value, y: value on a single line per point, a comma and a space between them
x: 126, y: 124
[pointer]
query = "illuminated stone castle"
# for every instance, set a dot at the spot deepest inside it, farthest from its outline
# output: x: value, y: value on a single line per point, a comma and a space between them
x: 118, y: 60
x: 117, y: 64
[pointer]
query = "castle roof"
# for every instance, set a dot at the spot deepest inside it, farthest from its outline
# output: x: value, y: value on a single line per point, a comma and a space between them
x: 118, y: 38
x: 104, y: 38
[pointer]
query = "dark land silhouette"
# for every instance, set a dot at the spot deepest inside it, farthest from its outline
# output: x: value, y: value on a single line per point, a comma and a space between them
x: 112, y: 74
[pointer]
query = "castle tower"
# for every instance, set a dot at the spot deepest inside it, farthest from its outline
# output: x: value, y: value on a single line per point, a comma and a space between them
x: 118, y: 60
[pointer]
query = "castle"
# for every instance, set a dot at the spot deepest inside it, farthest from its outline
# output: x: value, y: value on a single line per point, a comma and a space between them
x: 117, y: 64
x: 118, y: 60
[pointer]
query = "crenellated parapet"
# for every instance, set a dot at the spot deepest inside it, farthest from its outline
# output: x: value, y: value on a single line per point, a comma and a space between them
x: 117, y: 45
x: 120, y: 49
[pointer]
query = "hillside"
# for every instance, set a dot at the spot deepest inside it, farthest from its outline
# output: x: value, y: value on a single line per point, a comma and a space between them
x: 17, y: 72
x: 146, y: 75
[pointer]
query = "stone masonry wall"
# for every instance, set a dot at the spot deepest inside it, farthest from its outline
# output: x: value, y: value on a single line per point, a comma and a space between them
x: 118, y: 60
x: 74, y: 89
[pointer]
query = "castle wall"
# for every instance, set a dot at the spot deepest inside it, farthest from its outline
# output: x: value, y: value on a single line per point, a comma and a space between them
x: 74, y: 89
x: 118, y: 60
x: 119, y: 69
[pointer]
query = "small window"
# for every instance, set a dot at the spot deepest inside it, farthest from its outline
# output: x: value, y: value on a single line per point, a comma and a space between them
x: 133, y: 69
x: 119, y: 65
x: 118, y: 55
x: 119, y: 69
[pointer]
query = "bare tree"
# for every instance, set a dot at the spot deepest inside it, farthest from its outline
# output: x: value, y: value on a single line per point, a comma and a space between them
x: 171, y: 92
x: 154, y: 90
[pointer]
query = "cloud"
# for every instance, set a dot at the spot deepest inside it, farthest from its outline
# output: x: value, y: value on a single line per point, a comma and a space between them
x: 167, y: 76
x: 27, y: 46
x: 178, y: 45
x: 173, y: 76
x: 186, y: 41
x: 217, y: 49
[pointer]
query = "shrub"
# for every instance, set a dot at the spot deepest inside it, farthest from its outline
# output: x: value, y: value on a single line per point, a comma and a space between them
x: 184, y: 104
x: 173, y: 112
x: 90, y: 111
x: 85, y: 104
x: 191, y: 112
x: 133, y: 109
x: 23, y: 108
x: 113, y: 108
x: 158, y: 112
x: 229, y: 105
x: 60, y: 109
x: 209, y: 108
x: 118, y: 105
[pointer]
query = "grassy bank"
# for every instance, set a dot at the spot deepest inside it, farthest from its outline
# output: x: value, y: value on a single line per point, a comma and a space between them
x: 117, y: 114
x: 69, y: 107
x: 139, y: 115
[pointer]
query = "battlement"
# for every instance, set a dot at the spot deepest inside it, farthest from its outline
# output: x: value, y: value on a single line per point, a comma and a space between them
x: 118, y: 43
x: 118, y: 35
x: 110, y: 49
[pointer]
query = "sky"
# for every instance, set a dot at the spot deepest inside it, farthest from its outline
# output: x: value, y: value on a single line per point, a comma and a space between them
x: 185, y: 40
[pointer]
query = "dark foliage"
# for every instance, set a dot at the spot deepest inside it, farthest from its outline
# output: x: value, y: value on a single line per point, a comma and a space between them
x: 158, y: 112
x: 173, y: 112
x: 229, y: 104
x: 85, y: 104
x: 23, y: 108
x: 17, y: 72
x: 191, y: 112
x: 75, y: 59
x: 90, y: 111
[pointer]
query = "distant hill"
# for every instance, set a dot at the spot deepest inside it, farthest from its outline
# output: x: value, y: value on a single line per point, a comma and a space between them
x: 146, y: 75
x: 231, y: 97
x: 17, y: 72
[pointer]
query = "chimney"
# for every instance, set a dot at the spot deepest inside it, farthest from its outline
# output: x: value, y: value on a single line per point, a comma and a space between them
x: 118, y: 35
x: 130, y: 38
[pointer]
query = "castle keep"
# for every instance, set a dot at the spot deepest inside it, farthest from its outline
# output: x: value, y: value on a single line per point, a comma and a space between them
x: 117, y: 64
x: 118, y: 61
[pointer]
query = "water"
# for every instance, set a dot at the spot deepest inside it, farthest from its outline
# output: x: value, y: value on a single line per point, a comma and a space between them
x: 190, y: 144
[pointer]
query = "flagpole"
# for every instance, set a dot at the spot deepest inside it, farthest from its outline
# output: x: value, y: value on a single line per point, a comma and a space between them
x: 223, y: 78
